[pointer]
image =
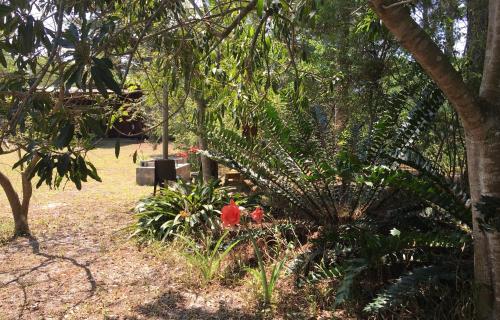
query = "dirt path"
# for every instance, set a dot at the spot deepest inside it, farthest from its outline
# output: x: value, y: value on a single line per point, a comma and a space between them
x: 79, y: 264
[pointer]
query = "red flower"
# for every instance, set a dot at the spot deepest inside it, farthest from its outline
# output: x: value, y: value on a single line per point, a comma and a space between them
x: 193, y: 149
x: 230, y: 214
x: 184, y: 155
x: 257, y: 215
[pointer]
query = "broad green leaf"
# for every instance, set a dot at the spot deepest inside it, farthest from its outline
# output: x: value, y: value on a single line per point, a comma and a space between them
x: 102, y: 69
x: 93, y: 172
x: 94, y: 126
x: 65, y: 135
x: 63, y: 164
x: 94, y: 71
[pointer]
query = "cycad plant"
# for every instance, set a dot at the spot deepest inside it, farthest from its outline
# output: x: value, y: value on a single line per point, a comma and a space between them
x: 415, y: 242
x: 296, y: 156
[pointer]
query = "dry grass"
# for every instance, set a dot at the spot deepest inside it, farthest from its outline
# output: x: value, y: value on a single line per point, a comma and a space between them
x: 53, y: 209
x: 80, y: 265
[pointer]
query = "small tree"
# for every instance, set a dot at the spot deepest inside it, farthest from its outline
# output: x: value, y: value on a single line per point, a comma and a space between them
x: 43, y: 54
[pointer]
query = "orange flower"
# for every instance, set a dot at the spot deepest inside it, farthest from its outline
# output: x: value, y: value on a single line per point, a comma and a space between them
x: 193, y: 149
x: 257, y: 215
x: 230, y: 214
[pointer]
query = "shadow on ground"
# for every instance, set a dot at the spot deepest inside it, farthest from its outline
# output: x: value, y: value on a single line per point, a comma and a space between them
x: 172, y: 305
x: 48, y: 259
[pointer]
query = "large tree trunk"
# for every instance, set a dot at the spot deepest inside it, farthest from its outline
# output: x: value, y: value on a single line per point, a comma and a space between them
x: 484, y: 177
x: 481, y: 120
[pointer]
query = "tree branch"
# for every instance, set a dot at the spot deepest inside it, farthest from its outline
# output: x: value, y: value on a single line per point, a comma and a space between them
x: 26, y: 182
x: 490, y: 84
x: 414, y: 39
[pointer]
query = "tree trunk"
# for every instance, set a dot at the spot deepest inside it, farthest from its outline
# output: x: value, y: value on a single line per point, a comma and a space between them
x: 483, y: 156
x: 20, y: 208
x: 19, y: 213
x: 449, y: 11
x: 475, y: 46
x: 164, y: 132
x: 209, y: 168
x: 481, y: 120
x: 341, y: 111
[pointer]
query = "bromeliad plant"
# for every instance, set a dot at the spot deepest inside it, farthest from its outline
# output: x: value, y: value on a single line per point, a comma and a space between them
x: 183, y: 208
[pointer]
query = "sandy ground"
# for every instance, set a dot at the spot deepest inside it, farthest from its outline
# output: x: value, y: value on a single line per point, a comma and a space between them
x: 79, y: 264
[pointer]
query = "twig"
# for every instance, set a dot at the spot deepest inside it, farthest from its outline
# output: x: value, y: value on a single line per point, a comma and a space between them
x: 396, y: 4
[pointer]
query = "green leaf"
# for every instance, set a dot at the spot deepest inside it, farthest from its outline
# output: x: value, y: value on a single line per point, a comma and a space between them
x: 260, y: 7
x: 93, y: 172
x: 94, y: 126
x: 102, y: 70
x: 65, y: 135
x: 78, y: 183
x: 395, y: 232
x: 117, y: 148
x: 99, y: 83
x: 63, y: 164
x: 75, y: 75
x: 2, y: 59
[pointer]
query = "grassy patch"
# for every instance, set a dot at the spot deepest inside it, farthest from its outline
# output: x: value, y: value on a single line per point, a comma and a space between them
x: 6, y: 227
x: 68, y: 208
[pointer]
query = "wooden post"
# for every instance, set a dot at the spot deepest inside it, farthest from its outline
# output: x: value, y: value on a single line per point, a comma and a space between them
x: 165, y: 122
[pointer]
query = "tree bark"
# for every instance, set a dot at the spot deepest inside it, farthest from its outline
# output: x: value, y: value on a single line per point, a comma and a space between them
x: 483, y: 157
x: 481, y: 120
x: 209, y: 168
x: 21, y: 226
x: 20, y: 208
x: 475, y: 46
x: 164, y: 133
x: 490, y: 84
